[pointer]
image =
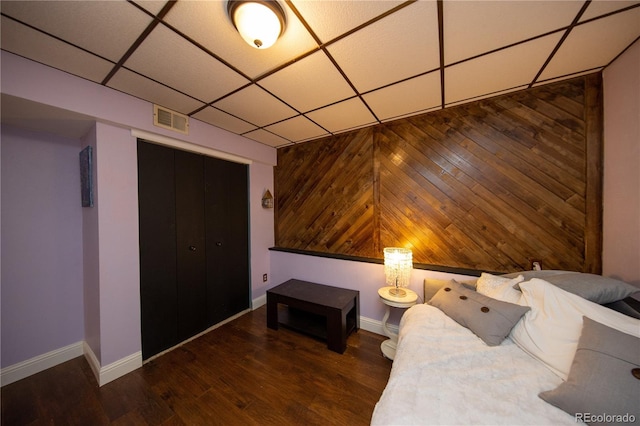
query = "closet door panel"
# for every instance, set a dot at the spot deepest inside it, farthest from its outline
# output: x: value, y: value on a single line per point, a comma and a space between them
x: 238, y: 271
x: 191, y: 246
x: 157, y: 217
x: 227, y: 233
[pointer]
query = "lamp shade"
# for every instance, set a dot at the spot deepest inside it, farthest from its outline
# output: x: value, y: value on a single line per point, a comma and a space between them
x: 398, y: 263
x: 259, y: 23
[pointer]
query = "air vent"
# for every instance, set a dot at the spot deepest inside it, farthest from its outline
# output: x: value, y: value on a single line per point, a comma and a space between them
x: 167, y: 119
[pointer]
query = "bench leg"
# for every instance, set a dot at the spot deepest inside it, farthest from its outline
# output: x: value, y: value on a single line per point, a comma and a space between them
x: 337, y: 331
x: 272, y: 312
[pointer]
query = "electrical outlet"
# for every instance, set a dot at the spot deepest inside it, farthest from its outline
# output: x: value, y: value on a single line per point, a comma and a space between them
x: 264, y: 278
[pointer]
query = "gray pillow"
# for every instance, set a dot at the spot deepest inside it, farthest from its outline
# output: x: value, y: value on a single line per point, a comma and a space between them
x: 490, y: 319
x: 432, y: 285
x: 595, y: 288
x: 604, y: 378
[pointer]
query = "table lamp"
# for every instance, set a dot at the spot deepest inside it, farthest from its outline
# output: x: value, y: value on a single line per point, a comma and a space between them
x: 397, y: 269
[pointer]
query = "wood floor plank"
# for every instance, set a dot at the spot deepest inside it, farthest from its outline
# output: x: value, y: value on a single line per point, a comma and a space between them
x: 240, y: 373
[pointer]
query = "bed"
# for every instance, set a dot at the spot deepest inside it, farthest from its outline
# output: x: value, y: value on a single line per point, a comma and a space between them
x: 517, y: 349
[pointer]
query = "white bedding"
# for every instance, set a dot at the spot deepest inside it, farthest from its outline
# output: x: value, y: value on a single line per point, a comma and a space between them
x: 444, y: 375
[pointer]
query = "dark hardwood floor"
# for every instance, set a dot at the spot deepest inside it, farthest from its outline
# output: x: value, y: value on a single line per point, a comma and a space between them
x: 241, y: 373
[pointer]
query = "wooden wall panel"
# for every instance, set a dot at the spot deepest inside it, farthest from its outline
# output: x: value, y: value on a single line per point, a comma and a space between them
x: 489, y: 185
x: 324, y: 196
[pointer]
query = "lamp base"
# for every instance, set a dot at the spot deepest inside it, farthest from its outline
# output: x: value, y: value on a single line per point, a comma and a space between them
x: 398, y: 292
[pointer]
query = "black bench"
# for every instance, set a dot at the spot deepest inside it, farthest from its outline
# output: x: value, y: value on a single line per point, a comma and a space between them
x: 326, y: 312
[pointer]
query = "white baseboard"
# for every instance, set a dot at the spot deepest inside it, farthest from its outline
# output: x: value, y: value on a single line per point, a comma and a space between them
x: 375, y: 326
x: 92, y: 360
x: 23, y: 369
x: 121, y: 367
x: 258, y: 301
x: 114, y: 370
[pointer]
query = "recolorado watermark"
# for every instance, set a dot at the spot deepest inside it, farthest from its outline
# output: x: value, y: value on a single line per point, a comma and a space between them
x: 605, y: 418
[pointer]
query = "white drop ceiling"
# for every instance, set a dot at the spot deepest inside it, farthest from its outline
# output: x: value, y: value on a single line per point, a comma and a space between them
x: 340, y: 65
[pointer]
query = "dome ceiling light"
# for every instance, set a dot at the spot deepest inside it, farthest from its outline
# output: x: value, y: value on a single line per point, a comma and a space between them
x: 259, y: 22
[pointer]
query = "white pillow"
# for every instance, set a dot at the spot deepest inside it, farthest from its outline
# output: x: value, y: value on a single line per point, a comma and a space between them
x: 500, y: 288
x: 551, y: 329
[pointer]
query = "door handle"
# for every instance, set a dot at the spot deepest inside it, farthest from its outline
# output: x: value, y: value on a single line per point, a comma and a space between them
x: 219, y: 243
x: 192, y: 248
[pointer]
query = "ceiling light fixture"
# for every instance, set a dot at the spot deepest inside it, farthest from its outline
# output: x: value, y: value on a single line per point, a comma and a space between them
x: 259, y: 22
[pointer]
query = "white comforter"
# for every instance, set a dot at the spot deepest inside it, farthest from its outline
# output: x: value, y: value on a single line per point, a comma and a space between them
x: 444, y: 375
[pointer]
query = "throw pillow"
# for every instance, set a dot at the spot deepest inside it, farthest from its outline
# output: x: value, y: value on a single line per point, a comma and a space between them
x: 550, y: 331
x: 488, y: 318
x: 432, y: 285
x: 498, y: 287
x: 595, y: 288
x: 604, y: 379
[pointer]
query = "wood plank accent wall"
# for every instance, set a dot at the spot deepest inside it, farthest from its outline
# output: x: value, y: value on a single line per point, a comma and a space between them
x: 490, y: 185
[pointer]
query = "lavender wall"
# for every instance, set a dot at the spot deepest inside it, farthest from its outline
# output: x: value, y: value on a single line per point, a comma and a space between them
x: 91, y: 260
x: 110, y: 229
x: 42, y: 306
x: 621, y: 233
x: 117, y: 183
x: 262, y: 229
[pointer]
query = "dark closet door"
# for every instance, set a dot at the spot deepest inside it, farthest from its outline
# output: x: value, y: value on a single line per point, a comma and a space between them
x: 227, y: 231
x: 191, y: 244
x: 194, y: 244
x: 157, y: 215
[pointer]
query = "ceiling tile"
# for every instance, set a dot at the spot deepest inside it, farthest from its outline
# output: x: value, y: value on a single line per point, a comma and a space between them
x: 502, y: 23
x: 408, y: 97
x: 309, y: 83
x: 498, y: 71
x: 208, y: 22
x: 601, y: 7
x: 24, y: 41
x: 129, y: 82
x: 256, y: 106
x: 297, y: 129
x: 594, y: 44
x: 191, y: 70
x: 110, y: 36
x: 331, y: 18
x: 267, y: 138
x: 343, y: 116
x: 223, y: 120
x: 380, y: 54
